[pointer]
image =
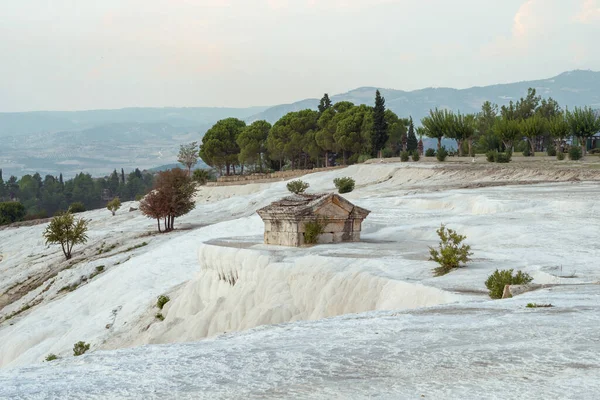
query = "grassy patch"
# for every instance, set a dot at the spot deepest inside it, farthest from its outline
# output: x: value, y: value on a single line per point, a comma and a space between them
x: 535, y: 305
x: 19, y: 311
x: 159, y: 317
x: 51, y: 357
x: 137, y: 246
x: 102, y: 249
x: 99, y: 269
x: 69, y: 288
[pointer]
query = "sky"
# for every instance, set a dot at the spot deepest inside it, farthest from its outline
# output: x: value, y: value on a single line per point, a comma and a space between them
x: 89, y: 54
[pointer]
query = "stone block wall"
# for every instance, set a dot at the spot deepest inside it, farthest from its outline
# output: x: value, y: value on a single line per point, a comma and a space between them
x: 291, y: 232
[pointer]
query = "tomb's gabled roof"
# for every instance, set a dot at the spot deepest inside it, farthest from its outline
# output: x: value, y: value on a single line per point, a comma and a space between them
x: 301, y: 205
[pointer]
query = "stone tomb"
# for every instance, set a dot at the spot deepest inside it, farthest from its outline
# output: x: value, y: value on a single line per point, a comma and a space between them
x: 285, y: 220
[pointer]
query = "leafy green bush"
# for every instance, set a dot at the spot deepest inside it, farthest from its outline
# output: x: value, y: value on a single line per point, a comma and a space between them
x: 551, y: 150
x: 161, y: 301
x: 404, y: 156
x: 451, y: 253
x: 312, y: 231
x: 76, y: 207
x: 51, y: 357
x: 560, y: 156
x: 503, y: 157
x: 575, y: 153
x: 527, y: 152
x: 498, y: 157
x: 297, y: 186
x: 430, y: 153
x: 344, y: 185
x: 496, y: 282
x: 442, y: 154
x: 11, y: 211
x: 159, y: 316
x: 80, y: 348
x: 363, y: 157
x: 201, y: 176
x: 415, y: 156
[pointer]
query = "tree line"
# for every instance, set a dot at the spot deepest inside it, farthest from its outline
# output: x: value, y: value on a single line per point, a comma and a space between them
x: 532, y: 124
x: 335, y: 133
x: 32, y: 197
x: 344, y: 133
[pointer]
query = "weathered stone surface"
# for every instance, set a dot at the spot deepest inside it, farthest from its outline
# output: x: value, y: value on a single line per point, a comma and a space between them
x: 285, y: 220
x: 515, y: 290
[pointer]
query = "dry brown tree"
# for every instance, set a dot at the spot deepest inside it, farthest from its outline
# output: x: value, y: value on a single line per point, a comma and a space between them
x: 171, y: 197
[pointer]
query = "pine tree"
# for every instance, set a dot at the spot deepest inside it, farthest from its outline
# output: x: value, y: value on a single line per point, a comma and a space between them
x: 122, y: 176
x: 380, y: 127
x: 113, y: 183
x: 412, y: 142
x: 324, y: 104
x: 60, y: 179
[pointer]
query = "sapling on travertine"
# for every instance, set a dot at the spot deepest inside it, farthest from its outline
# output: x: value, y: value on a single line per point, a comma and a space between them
x: 451, y: 253
x: 114, y: 205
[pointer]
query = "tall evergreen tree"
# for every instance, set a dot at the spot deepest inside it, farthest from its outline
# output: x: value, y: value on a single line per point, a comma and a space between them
x: 122, y: 176
x: 113, y: 183
x: 412, y: 143
x: 60, y: 179
x: 380, y: 126
x: 324, y: 104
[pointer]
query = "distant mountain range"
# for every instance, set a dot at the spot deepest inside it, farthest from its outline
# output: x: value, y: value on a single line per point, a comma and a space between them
x: 98, y: 141
x: 24, y: 123
x: 574, y: 88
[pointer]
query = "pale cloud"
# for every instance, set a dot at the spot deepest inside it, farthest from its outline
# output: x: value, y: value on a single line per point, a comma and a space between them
x: 534, y: 21
x: 589, y: 12
x: 523, y: 19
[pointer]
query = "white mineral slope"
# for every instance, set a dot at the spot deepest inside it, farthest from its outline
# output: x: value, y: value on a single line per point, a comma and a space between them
x: 239, y: 289
x: 544, y: 229
x: 489, y: 350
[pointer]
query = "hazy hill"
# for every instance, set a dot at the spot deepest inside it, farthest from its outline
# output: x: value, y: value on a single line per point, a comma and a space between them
x: 97, y: 141
x: 97, y: 150
x: 24, y: 123
x: 575, y: 88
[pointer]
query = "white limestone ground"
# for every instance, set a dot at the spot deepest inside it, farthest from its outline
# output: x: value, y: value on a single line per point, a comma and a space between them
x: 470, y: 348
